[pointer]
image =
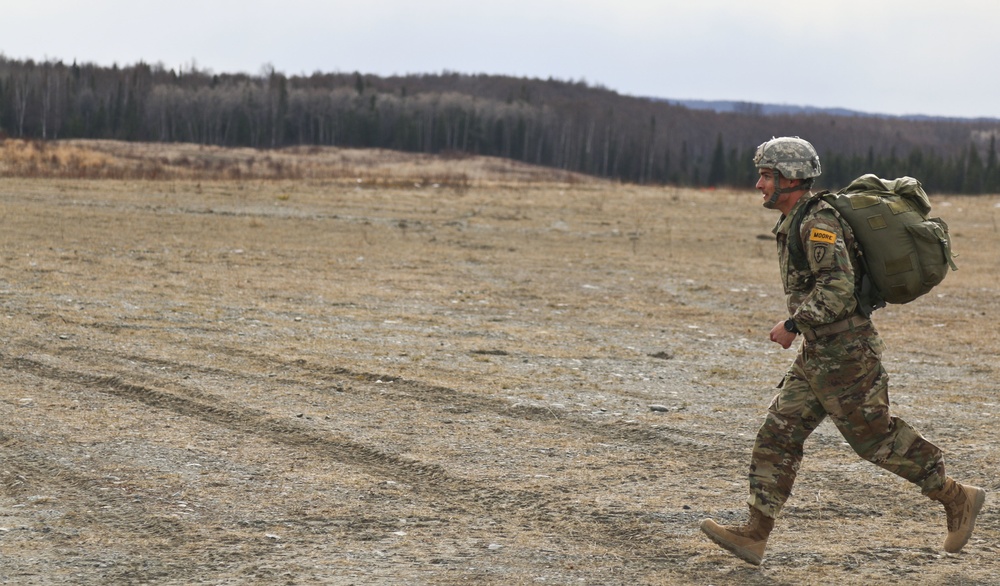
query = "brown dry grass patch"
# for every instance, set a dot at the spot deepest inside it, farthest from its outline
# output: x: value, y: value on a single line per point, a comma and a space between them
x: 96, y: 159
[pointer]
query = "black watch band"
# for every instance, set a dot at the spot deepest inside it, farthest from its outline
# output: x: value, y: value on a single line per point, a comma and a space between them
x: 791, y: 327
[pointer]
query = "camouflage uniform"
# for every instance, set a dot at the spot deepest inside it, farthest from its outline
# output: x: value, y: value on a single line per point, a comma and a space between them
x: 837, y: 374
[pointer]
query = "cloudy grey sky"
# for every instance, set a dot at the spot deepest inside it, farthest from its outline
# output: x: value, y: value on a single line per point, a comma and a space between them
x: 883, y: 56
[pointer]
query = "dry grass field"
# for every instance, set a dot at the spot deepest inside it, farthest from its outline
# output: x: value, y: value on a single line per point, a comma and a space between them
x: 317, y: 366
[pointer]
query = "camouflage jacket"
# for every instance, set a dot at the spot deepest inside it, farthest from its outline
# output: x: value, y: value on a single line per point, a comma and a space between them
x: 825, y: 293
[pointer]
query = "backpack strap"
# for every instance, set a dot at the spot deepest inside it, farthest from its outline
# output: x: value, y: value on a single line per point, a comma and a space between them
x: 865, y: 293
x: 796, y: 252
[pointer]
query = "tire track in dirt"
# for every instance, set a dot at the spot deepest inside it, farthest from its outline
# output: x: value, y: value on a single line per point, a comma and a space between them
x: 29, y: 472
x: 660, y: 437
x: 221, y: 412
x: 634, y: 532
x: 98, y: 501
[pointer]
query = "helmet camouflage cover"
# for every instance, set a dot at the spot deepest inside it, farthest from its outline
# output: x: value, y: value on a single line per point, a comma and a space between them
x: 791, y: 156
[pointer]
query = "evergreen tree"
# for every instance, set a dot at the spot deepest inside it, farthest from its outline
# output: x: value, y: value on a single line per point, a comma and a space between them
x: 972, y: 181
x: 992, y: 178
x: 717, y: 170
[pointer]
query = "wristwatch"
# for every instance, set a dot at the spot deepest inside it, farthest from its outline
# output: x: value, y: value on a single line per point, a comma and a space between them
x: 791, y: 327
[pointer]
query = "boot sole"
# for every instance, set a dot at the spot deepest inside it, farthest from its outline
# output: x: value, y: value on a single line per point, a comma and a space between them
x: 744, y: 554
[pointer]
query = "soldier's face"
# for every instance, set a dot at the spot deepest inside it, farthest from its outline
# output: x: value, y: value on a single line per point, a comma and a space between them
x: 765, y: 184
x: 766, y: 181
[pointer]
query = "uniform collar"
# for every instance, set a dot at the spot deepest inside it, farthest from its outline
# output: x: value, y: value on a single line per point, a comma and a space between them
x: 784, y: 222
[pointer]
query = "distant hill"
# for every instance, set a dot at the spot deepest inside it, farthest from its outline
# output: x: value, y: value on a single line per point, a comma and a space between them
x: 753, y: 108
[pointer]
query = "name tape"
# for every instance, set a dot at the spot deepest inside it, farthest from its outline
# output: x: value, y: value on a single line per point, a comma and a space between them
x: 823, y: 236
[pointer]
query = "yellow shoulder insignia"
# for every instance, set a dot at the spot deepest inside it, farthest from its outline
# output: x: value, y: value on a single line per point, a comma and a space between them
x: 823, y: 236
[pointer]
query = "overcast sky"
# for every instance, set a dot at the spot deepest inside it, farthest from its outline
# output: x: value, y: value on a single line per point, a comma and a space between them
x: 881, y: 56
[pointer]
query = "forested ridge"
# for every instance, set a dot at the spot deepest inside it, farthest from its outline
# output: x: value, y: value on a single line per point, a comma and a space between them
x: 563, y: 124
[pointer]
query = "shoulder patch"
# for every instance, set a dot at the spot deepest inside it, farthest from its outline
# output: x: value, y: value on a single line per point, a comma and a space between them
x: 823, y: 236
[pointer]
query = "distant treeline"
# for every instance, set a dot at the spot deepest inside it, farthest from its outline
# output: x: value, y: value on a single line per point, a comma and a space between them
x: 564, y: 124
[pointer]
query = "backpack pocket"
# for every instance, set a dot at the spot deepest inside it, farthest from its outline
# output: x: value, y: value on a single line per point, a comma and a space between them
x: 933, y: 248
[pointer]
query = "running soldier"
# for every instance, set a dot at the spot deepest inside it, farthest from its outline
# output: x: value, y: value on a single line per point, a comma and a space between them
x: 838, y: 372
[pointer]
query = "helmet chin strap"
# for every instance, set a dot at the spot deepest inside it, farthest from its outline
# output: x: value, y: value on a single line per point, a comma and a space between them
x: 772, y: 202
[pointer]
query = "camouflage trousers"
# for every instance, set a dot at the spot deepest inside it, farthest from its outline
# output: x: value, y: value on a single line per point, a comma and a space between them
x: 841, y: 377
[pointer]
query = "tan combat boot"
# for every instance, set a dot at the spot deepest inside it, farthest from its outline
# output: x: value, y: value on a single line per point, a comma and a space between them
x: 748, y: 541
x: 962, y: 504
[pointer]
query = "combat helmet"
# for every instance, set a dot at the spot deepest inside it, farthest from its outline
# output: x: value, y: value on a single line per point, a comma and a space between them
x: 793, y: 158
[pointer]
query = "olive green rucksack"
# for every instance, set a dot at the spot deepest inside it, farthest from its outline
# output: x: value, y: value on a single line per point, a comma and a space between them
x: 903, y: 254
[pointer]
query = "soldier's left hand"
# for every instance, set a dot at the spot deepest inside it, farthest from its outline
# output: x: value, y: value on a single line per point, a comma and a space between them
x: 782, y: 336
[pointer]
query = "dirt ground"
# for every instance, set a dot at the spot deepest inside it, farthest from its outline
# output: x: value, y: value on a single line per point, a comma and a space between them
x: 319, y: 382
